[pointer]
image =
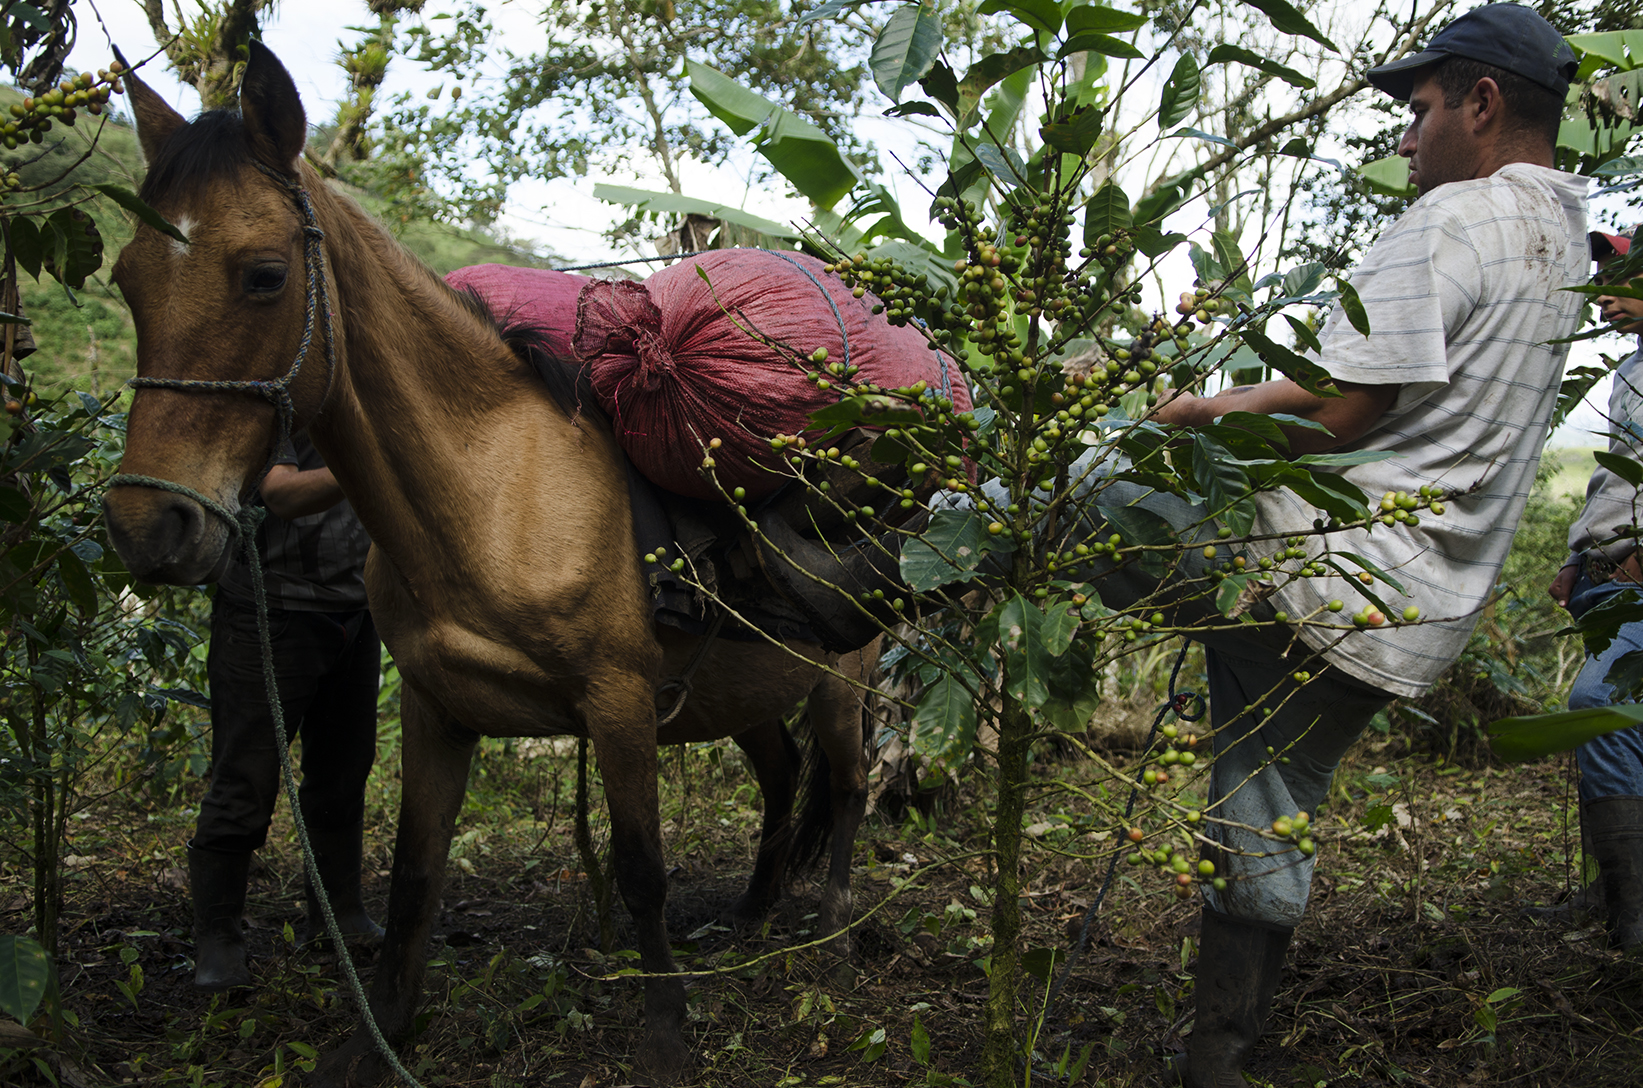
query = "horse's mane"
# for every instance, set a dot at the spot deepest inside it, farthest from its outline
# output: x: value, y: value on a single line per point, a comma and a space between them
x: 567, y: 383
x: 212, y: 148
x: 205, y: 150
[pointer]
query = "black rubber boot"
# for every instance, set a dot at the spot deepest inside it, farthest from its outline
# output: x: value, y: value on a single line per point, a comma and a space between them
x: 216, y: 883
x: 339, y: 856
x: 1238, y: 965
x: 1617, y: 843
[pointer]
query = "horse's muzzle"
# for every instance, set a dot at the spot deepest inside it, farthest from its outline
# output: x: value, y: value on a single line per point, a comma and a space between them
x: 164, y: 538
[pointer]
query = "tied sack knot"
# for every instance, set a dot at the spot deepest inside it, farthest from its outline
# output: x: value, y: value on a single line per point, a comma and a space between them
x: 655, y: 361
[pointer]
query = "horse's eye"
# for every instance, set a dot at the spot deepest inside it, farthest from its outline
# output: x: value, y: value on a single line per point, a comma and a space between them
x: 264, y: 279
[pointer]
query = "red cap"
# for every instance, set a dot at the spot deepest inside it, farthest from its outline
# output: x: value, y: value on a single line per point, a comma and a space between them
x: 1605, y: 246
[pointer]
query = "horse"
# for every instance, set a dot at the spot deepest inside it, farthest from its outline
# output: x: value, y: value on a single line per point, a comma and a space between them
x: 504, y: 576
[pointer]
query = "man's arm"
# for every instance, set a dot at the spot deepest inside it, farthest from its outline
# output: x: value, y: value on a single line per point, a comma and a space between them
x: 292, y: 493
x: 1348, y: 416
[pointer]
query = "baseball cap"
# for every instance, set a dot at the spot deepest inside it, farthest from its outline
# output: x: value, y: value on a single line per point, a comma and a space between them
x: 1508, y: 36
x: 1605, y: 245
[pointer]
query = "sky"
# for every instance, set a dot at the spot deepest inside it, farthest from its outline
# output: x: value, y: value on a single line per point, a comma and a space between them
x: 561, y: 214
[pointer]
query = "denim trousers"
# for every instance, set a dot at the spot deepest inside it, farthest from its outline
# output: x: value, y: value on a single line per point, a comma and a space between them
x: 1277, y: 740
x: 1610, y: 765
x: 328, y: 665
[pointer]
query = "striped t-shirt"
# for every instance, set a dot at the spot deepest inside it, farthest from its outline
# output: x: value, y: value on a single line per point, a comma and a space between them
x: 1610, y: 517
x: 315, y: 563
x: 1464, y: 297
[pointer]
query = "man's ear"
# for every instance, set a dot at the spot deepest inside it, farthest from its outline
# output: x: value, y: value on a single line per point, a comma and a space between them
x: 1485, y: 105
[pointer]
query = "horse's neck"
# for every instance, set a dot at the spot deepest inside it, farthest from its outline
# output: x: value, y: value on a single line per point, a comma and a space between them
x: 425, y: 396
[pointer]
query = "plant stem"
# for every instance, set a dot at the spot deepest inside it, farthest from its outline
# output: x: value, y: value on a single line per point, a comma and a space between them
x: 1004, y: 980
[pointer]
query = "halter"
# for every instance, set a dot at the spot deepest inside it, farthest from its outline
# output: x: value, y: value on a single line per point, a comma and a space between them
x: 277, y: 391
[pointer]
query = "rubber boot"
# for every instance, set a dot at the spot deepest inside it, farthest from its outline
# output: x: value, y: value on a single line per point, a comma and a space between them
x: 1617, y: 843
x: 339, y: 856
x: 1238, y: 965
x: 216, y: 883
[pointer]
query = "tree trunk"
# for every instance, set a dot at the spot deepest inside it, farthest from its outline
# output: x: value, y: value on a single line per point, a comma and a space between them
x: 1004, y: 980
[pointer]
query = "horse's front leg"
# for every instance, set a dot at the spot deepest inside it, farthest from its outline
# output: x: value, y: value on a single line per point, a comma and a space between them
x: 622, y: 725
x: 436, y: 754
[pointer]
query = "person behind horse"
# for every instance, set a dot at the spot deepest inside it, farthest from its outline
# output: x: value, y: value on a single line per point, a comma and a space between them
x: 328, y: 660
x: 1603, y: 561
x: 1457, y: 380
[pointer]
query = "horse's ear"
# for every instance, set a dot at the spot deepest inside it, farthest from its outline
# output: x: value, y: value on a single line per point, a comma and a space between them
x: 155, y: 118
x: 275, y: 125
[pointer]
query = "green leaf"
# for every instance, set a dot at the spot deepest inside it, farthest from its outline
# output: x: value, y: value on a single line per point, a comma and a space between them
x: 77, y: 581
x: 941, y: 85
x: 1232, y: 54
x: 1180, y: 94
x: 134, y: 204
x: 1298, y: 369
x: 1042, y: 15
x: 1388, y: 176
x: 1344, y: 458
x: 1304, y: 336
x: 1026, y: 658
x: 1622, y: 466
x: 1261, y: 426
x: 1138, y: 525
x: 14, y: 507
x: 1517, y: 740
x: 1170, y: 194
x: 919, y: 1043
x: 1104, y: 44
x: 1003, y: 164
x: 24, y: 971
x: 913, y: 109
x: 75, y: 249
x: 1231, y: 257
x: 1200, y: 134
x: 1075, y: 133
x: 1042, y: 962
x: 676, y: 204
x: 829, y: 10
x: 1154, y: 242
x: 1302, y: 280
x: 1616, y: 48
x: 1108, y: 212
x: 906, y: 48
x: 1093, y: 19
x: 993, y: 69
x: 944, y: 723
x: 1353, y: 305
x: 948, y: 551
x: 1286, y: 18
x: 802, y: 153
x: 26, y: 245
x: 1222, y: 482
x: 1059, y: 628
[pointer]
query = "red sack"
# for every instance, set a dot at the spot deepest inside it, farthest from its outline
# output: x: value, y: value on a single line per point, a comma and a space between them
x: 674, y: 362
x: 543, y: 299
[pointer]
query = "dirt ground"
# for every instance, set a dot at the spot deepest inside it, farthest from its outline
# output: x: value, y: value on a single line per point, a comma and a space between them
x: 1416, y: 964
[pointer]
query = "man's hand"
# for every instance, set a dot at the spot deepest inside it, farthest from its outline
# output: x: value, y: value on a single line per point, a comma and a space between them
x: 1348, y: 416
x: 1564, y: 584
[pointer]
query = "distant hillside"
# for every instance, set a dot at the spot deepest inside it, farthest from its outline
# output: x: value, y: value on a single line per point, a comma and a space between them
x: 92, y: 345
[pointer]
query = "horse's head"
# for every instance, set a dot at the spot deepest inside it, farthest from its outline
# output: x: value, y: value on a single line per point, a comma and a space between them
x: 228, y: 305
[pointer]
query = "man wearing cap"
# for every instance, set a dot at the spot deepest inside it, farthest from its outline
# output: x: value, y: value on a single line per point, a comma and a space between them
x: 1603, y: 561
x: 1456, y: 382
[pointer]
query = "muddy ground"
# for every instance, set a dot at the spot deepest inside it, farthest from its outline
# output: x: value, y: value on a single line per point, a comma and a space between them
x: 1416, y: 965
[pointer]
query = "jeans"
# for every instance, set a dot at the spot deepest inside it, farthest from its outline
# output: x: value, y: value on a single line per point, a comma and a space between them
x: 1610, y: 765
x: 328, y: 665
x: 1255, y: 704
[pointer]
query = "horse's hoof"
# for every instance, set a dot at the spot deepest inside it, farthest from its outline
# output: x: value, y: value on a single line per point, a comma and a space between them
x: 663, y: 1059
x: 356, y: 1064
x: 748, y: 912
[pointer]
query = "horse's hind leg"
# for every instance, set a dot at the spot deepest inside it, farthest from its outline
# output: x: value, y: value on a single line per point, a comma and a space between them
x: 436, y: 756
x: 836, y: 707
x: 775, y: 759
x: 622, y: 724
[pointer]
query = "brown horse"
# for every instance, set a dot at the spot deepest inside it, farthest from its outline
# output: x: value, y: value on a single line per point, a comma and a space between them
x: 504, y: 578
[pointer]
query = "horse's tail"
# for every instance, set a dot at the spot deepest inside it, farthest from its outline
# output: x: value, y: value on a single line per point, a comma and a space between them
x: 815, y: 827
